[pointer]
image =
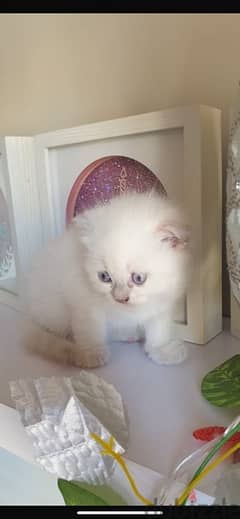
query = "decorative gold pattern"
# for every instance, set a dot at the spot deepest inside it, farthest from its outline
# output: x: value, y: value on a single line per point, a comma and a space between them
x: 122, y: 180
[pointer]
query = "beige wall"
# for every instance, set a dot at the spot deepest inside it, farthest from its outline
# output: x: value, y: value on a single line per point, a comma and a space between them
x: 58, y: 71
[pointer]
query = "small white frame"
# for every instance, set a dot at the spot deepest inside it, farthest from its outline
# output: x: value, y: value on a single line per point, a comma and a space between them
x: 29, y: 180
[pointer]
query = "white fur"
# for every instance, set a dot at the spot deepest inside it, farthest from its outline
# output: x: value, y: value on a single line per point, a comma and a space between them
x: 63, y: 294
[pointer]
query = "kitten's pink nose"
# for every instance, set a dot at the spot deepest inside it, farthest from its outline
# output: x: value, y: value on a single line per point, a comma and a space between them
x: 120, y: 293
x: 123, y: 301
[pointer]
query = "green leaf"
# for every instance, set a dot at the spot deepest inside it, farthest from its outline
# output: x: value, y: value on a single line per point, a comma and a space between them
x: 75, y: 495
x: 221, y: 386
x: 106, y: 493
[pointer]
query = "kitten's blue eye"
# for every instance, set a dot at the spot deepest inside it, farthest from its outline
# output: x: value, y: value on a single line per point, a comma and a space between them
x: 139, y: 278
x: 104, y: 277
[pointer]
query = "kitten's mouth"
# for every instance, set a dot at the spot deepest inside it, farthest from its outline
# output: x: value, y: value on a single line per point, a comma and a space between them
x: 124, y: 301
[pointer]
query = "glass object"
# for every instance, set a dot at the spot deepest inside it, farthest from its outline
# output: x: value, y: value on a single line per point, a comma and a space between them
x: 173, y: 485
x: 228, y: 487
x: 209, y: 486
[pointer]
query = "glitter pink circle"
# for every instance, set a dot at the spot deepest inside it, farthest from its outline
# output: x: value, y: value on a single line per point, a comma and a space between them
x: 108, y: 177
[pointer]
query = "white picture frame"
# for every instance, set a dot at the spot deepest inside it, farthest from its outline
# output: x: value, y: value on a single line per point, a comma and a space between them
x: 31, y: 179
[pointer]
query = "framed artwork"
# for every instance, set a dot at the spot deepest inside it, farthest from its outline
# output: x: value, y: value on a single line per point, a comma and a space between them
x: 20, y: 213
x: 232, y: 218
x: 176, y: 150
x: 7, y: 259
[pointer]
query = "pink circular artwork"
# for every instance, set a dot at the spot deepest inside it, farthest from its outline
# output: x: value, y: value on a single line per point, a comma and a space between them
x: 108, y: 177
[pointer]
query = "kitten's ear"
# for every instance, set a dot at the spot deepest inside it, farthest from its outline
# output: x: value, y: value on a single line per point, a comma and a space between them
x: 80, y: 225
x: 175, y: 234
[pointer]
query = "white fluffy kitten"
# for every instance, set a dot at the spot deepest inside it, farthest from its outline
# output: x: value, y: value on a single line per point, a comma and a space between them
x: 115, y: 273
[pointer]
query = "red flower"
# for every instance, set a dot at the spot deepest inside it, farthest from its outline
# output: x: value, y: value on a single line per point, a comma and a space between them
x: 207, y: 434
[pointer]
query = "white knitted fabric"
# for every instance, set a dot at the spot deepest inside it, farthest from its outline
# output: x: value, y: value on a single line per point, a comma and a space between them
x: 59, y: 415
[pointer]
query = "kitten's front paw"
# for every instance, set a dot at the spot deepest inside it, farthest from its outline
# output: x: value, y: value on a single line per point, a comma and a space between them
x: 174, y: 352
x: 89, y: 357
